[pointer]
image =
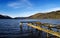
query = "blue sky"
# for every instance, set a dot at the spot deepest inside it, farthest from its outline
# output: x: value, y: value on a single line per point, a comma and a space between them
x: 24, y: 8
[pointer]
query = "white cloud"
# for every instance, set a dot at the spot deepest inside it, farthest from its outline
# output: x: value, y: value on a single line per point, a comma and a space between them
x: 27, y: 2
x: 46, y: 11
x: 20, y: 4
x: 52, y: 9
x: 14, y: 5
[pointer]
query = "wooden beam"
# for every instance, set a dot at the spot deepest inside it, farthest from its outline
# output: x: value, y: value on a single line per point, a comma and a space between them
x: 45, y: 30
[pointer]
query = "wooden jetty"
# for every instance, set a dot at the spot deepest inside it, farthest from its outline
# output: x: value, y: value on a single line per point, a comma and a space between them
x: 39, y: 25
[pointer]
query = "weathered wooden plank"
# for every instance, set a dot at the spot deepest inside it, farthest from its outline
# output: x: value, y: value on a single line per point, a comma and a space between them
x: 45, y: 30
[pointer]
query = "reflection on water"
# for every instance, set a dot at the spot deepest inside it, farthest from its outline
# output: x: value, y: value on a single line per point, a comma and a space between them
x: 11, y: 29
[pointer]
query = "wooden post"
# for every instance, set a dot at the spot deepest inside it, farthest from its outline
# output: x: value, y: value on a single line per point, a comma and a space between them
x: 49, y: 28
x: 32, y: 28
x: 39, y: 24
x: 47, y: 35
x: 28, y: 28
x: 21, y: 28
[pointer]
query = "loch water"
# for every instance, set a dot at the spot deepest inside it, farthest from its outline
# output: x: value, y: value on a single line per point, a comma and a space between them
x: 10, y: 28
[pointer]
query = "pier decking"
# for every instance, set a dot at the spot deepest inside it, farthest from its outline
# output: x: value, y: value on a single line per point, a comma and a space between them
x: 38, y: 27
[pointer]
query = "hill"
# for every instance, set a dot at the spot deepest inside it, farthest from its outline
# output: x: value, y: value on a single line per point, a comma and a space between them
x: 21, y: 18
x: 49, y: 15
x: 5, y: 17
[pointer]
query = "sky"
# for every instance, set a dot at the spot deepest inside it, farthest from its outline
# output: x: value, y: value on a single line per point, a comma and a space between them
x: 25, y: 8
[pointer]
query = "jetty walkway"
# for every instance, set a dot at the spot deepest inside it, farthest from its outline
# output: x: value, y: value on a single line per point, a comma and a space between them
x: 38, y: 26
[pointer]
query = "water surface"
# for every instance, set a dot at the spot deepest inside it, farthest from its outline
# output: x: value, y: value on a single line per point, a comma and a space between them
x: 10, y: 28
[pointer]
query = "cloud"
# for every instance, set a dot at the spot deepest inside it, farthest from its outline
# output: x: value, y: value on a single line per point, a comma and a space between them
x: 20, y: 4
x: 46, y: 11
x: 14, y: 5
x: 52, y: 9
x: 27, y: 2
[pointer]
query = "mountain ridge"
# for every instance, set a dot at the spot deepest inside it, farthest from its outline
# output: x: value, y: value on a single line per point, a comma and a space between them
x: 5, y: 17
x: 49, y: 15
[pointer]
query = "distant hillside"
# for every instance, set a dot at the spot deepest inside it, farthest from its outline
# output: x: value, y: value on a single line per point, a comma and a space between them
x: 21, y: 18
x: 50, y: 15
x: 5, y: 17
